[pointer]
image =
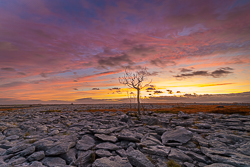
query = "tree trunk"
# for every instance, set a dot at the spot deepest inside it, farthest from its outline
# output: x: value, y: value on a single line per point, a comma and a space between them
x: 138, y: 101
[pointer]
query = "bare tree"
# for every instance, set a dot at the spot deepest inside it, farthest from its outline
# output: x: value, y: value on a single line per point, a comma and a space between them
x: 135, y: 80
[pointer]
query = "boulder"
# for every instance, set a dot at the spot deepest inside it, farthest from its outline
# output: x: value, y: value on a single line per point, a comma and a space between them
x: 36, y: 164
x: 114, y: 161
x: 36, y: 156
x: 27, y: 151
x: 84, y: 158
x: 245, y: 149
x: 157, y: 150
x: 16, y: 148
x: 107, y: 146
x: 53, y: 161
x: 59, y: 148
x: 14, y: 162
x: 86, y: 143
x: 176, y: 154
x: 138, y: 159
x: 103, y: 153
x: 128, y: 136
x: 106, y: 138
x: 180, y: 135
x: 219, y: 165
x: 69, y: 156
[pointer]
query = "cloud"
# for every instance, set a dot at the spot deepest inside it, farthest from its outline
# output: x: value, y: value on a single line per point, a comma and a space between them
x: 154, y: 73
x: 44, y: 75
x: 115, y: 88
x: 100, y: 74
x: 141, y: 49
x: 128, y: 42
x: 206, y: 98
x: 170, y: 91
x: 12, y: 84
x: 216, y: 74
x: 158, y: 92
x: 115, y: 61
x: 150, y: 89
x: 8, y: 69
x: 221, y: 72
x: 216, y: 84
x: 162, y: 63
x: 95, y: 89
x: 178, y: 91
x: 21, y: 73
x: 185, y: 70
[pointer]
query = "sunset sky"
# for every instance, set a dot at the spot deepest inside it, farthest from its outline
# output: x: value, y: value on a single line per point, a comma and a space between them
x: 63, y: 51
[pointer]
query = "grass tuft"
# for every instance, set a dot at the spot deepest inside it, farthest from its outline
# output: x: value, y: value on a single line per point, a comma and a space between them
x: 172, y: 163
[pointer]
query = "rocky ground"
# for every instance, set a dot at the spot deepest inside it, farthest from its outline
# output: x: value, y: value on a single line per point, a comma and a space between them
x: 36, y: 137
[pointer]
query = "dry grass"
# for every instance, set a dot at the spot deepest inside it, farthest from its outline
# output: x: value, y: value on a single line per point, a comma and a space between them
x: 173, y: 108
x: 172, y: 163
x: 230, y: 109
x: 48, y: 111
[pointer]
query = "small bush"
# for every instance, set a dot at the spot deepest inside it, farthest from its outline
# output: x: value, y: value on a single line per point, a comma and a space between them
x: 92, y: 157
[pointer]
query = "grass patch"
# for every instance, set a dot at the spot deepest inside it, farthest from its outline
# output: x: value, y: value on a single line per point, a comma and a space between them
x: 65, y: 133
x: 50, y: 111
x: 31, y: 141
x: 172, y: 163
x: 197, y: 144
x: 195, y: 127
x: 151, y: 160
x: 27, y: 134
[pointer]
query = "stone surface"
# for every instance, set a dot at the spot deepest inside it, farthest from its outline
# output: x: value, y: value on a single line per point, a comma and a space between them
x: 35, y: 136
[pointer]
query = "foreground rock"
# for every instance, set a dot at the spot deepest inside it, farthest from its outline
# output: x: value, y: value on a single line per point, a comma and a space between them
x: 39, y: 138
x: 178, y: 136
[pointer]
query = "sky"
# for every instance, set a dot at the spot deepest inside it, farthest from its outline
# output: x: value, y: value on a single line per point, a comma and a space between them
x: 65, y: 51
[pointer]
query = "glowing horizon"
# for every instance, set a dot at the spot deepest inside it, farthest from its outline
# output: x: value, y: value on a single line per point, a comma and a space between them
x: 66, y: 51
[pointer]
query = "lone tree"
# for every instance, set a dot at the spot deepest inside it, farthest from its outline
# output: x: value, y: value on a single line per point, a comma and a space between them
x: 135, y: 81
